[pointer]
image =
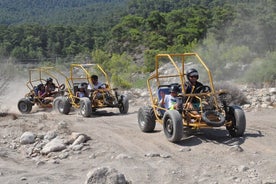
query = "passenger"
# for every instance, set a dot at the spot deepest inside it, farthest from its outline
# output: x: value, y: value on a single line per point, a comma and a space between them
x: 170, y: 101
x: 82, y: 90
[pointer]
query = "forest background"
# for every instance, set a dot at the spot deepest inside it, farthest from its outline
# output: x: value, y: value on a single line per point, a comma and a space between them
x: 237, y: 39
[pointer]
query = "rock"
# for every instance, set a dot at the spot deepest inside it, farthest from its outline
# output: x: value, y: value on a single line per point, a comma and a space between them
x: 50, y: 135
x: 236, y: 148
x: 272, y: 91
x: 152, y: 155
x: 62, y: 126
x: 76, y: 147
x: 105, y: 175
x: 53, y: 146
x: 27, y: 138
x: 269, y: 181
x: 23, y: 178
x: 79, y: 140
x: 123, y: 156
x: 242, y: 168
x: 185, y: 149
x: 39, y: 163
x: 63, y: 155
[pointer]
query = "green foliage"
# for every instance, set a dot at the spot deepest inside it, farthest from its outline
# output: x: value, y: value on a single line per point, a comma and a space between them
x: 262, y: 70
x: 114, y: 30
x: 100, y: 57
x: 62, y: 12
x: 36, y: 41
x: 140, y: 82
x: 121, y: 69
x: 150, y: 60
x: 118, y: 67
x: 225, y: 61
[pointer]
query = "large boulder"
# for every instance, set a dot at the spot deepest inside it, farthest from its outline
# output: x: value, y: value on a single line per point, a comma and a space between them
x: 105, y: 175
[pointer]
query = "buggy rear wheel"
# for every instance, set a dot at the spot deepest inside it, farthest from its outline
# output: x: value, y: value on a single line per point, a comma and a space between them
x: 173, y: 126
x: 24, y: 106
x: 85, y: 107
x: 146, y: 119
x: 55, y: 102
x: 237, y: 116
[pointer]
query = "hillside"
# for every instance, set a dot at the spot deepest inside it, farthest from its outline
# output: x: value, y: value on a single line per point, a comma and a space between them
x: 61, y: 12
x: 235, y: 38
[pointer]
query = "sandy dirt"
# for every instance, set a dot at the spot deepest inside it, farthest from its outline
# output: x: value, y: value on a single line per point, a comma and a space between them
x: 208, y: 156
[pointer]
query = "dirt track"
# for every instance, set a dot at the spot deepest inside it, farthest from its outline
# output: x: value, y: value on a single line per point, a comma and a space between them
x: 209, y: 156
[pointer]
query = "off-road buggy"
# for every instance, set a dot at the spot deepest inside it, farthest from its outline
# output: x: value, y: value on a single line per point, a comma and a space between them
x: 213, y: 110
x: 37, y: 78
x: 80, y: 77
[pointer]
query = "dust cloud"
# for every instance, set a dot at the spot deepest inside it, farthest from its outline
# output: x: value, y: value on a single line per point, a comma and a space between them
x: 12, y: 85
x: 232, y: 51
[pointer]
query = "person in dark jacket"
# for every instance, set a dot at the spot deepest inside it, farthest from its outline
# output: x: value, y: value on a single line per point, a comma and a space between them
x: 190, y: 85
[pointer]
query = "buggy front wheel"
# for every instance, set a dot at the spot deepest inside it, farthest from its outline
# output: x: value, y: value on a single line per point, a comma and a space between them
x: 173, y: 126
x: 238, y: 122
x: 123, y: 104
x: 63, y: 105
x: 85, y: 107
x: 24, y: 106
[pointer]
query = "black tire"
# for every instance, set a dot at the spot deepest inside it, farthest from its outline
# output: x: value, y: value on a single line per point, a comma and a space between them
x: 63, y: 105
x: 237, y: 116
x: 85, y: 107
x: 124, y: 104
x: 217, y: 119
x: 146, y: 119
x: 173, y: 126
x: 56, y: 102
x: 25, y: 106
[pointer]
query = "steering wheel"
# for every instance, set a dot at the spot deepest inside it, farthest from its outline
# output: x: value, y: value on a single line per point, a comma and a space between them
x: 103, y: 86
x: 61, y: 87
x: 202, y: 89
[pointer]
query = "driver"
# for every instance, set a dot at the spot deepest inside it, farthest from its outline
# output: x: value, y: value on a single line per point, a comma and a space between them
x: 190, y: 85
x: 50, y: 87
x: 98, y: 89
x: 96, y: 83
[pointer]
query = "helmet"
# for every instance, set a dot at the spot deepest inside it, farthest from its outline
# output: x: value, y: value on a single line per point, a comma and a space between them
x: 175, y: 89
x: 82, y: 85
x: 191, y: 72
x: 49, y: 80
